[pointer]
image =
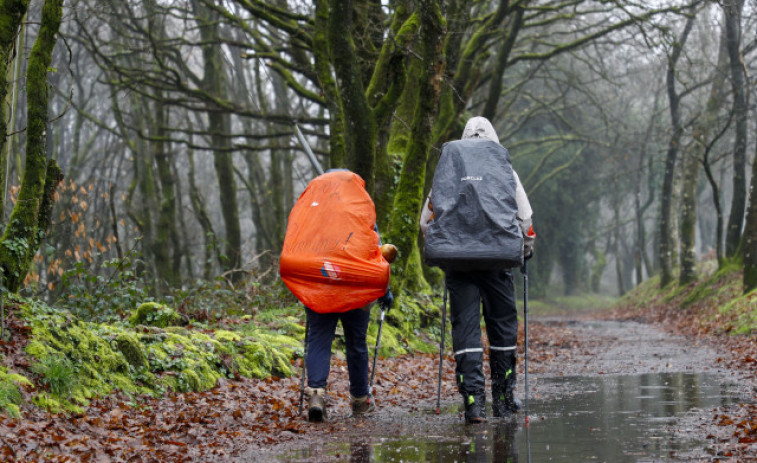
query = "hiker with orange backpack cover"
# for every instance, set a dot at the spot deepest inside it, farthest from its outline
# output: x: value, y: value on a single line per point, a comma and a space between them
x: 332, y: 260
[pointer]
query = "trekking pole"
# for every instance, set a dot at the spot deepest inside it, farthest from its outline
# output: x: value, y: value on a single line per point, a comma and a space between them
x: 441, y: 351
x: 378, y: 343
x: 304, y: 357
x: 525, y: 328
x: 308, y: 151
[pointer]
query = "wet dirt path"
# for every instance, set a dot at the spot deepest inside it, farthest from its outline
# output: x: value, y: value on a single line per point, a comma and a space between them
x: 599, y: 391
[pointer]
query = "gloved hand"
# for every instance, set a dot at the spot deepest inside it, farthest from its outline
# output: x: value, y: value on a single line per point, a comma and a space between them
x: 387, y: 300
x: 389, y: 251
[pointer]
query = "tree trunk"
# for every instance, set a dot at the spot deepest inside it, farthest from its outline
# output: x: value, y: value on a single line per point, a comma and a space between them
x: 13, y: 12
x: 618, y: 250
x: 198, y: 207
x: 360, y: 121
x: 322, y: 62
x: 497, y: 83
x: 749, y: 245
x: 732, y: 10
x: 385, y: 85
x: 408, y: 200
x: 31, y: 215
x: 702, y: 134
x: 147, y: 204
x: 640, y: 240
x: 689, y: 220
x: 666, y: 197
x: 396, y: 146
x: 281, y: 167
x: 166, y: 246
x: 214, y: 81
x: 255, y: 181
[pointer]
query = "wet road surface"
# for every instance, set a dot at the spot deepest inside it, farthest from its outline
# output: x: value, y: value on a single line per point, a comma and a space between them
x: 628, y: 393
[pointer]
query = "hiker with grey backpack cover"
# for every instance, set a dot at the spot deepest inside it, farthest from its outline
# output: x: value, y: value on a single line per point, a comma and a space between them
x: 477, y: 227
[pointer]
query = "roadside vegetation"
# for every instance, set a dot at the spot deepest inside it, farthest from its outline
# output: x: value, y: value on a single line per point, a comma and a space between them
x: 713, y: 305
x: 60, y: 356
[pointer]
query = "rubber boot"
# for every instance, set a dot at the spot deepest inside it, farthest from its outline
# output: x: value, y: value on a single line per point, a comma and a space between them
x: 475, y: 407
x: 316, y: 404
x: 504, y: 402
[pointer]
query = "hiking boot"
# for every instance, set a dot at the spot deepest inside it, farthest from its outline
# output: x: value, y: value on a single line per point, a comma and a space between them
x: 362, y: 405
x: 475, y: 407
x: 505, y: 404
x: 504, y: 373
x: 316, y: 404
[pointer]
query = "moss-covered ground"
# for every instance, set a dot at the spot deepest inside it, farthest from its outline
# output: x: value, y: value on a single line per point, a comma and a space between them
x: 72, y: 361
x: 715, y: 301
x: 66, y: 361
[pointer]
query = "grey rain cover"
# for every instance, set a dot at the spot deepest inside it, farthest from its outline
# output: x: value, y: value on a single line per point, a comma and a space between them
x: 473, y: 197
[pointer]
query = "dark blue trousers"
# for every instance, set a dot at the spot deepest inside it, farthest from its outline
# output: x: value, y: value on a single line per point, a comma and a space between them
x: 322, y: 328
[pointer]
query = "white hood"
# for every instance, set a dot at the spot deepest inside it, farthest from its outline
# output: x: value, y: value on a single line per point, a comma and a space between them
x: 480, y: 127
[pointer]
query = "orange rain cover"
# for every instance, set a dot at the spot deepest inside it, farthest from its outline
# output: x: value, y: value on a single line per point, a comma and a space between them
x: 331, y: 258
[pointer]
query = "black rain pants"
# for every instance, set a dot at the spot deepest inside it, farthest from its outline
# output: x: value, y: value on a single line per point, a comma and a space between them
x: 467, y: 291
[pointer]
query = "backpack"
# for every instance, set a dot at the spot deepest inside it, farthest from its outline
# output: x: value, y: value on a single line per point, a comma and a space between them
x: 331, y: 258
x: 473, y: 197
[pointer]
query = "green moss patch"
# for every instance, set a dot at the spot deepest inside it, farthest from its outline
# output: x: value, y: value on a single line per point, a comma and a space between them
x: 155, y: 314
x: 10, y: 393
x: 742, y: 313
x: 73, y: 361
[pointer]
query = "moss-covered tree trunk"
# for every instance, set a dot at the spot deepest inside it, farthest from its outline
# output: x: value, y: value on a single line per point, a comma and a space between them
x: 384, y: 85
x: 396, y: 147
x: 31, y: 215
x: 322, y: 63
x: 408, y: 200
x: 732, y: 10
x: 12, y: 13
x: 359, y: 118
x: 365, y: 101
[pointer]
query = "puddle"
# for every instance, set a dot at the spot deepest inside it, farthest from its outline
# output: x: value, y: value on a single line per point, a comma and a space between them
x: 604, y: 419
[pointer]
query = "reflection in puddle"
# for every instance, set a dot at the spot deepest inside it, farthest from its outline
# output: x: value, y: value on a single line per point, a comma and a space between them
x: 604, y: 419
